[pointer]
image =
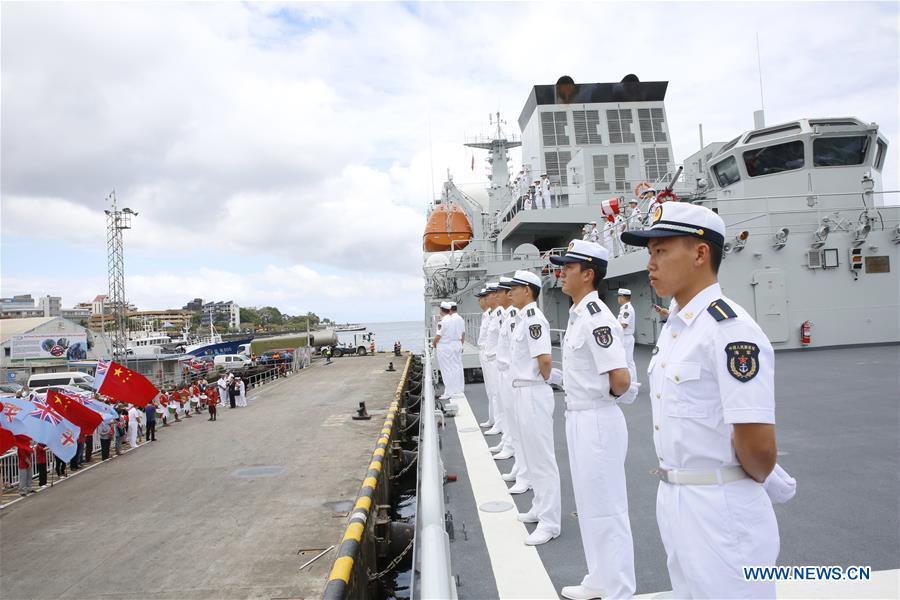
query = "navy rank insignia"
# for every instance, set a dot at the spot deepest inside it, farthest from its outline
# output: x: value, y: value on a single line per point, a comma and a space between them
x: 593, y: 308
x: 603, y: 337
x: 530, y: 312
x: 535, y: 331
x: 720, y: 311
x: 743, y: 360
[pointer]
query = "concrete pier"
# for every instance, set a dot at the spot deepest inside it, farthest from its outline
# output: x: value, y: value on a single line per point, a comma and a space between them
x: 229, y: 509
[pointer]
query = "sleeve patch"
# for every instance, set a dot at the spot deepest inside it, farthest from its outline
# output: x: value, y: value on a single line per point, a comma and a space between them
x: 603, y: 337
x: 743, y: 360
x: 512, y: 313
x: 593, y: 308
x: 439, y: 327
x: 530, y: 312
x: 720, y: 310
x: 535, y: 331
x: 625, y: 314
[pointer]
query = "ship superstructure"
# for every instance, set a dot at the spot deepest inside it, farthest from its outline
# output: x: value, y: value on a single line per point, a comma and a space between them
x: 813, y: 240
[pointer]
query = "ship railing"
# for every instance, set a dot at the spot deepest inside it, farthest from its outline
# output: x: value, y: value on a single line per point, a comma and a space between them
x: 432, y: 545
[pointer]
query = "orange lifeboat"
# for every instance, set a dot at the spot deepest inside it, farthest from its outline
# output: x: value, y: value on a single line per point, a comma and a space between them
x: 446, y: 225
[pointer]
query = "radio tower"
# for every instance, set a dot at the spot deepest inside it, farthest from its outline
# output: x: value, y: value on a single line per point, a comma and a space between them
x: 116, y: 222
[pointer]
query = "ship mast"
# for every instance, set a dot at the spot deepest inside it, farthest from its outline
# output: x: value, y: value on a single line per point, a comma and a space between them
x: 498, y: 156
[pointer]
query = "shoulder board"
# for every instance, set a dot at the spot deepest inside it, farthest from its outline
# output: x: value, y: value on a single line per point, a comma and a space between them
x: 720, y: 310
x: 593, y: 308
x: 530, y: 312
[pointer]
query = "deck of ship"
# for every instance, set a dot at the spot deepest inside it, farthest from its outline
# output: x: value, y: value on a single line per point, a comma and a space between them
x: 229, y: 509
x: 837, y: 426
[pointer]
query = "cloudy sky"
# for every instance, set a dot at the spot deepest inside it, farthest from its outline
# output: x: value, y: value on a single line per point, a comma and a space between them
x: 285, y: 154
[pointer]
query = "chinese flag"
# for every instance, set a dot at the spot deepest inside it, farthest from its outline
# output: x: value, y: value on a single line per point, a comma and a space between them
x: 74, y: 411
x: 122, y: 384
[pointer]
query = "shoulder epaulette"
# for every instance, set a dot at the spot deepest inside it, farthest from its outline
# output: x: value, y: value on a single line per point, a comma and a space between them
x: 530, y: 312
x: 720, y: 310
x: 593, y: 308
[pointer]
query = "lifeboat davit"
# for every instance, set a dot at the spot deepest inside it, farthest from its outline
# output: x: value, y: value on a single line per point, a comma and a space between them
x: 446, y: 225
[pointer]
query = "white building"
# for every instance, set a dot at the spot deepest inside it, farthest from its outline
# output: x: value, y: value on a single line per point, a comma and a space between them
x: 50, y: 305
x: 229, y: 310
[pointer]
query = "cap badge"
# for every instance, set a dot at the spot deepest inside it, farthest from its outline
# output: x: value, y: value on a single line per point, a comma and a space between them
x: 571, y: 246
x: 657, y: 214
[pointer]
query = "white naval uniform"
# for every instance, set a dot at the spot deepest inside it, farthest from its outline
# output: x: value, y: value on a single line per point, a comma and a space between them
x: 545, y: 192
x: 634, y: 219
x: 534, y: 415
x: 459, y: 374
x: 712, y: 367
x: 448, y: 353
x: 511, y: 436
x: 608, y: 234
x: 597, y: 440
x: 134, y: 420
x: 485, y: 366
x: 490, y: 375
x: 626, y: 320
x: 594, y: 235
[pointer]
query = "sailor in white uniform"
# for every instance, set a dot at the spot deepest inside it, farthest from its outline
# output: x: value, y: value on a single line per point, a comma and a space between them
x: 596, y: 379
x: 634, y: 216
x: 712, y: 395
x: 545, y: 190
x: 512, y: 446
x: 447, y: 349
x: 530, y: 369
x: 490, y: 354
x: 626, y: 320
x: 595, y: 233
x: 482, y: 359
x: 459, y: 381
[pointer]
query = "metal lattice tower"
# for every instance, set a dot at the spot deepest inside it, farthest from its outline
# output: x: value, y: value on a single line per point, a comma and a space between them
x: 116, y: 222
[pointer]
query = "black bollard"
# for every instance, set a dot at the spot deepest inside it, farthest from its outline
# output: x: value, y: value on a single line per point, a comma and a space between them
x: 361, y: 413
x: 390, y: 367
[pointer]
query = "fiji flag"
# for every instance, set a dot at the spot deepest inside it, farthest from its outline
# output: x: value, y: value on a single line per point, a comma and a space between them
x: 41, y: 423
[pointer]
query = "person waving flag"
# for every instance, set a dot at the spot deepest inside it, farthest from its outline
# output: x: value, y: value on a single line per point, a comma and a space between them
x: 123, y: 384
x: 39, y: 421
x: 87, y: 419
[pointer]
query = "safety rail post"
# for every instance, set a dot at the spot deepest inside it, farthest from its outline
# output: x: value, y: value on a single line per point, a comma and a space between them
x: 346, y: 569
x: 432, y: 542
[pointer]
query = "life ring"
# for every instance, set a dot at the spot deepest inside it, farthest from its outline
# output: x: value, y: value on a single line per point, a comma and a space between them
x: 666, y: 196
x: 641, y: 188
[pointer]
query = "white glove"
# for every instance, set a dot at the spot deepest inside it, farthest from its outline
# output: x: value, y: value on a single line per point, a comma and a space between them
x: 629, y: 396
x: 780, y: 486
x: 556, y: 377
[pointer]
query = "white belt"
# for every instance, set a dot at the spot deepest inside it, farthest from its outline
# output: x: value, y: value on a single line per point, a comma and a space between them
x: 576, y: 405
x: 701, y: 476
x: 520, y: 383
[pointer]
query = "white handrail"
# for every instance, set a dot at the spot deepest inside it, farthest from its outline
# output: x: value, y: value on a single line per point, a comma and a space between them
x: 433, y: 543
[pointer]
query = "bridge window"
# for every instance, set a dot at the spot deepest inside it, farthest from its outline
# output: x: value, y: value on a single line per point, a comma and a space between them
x: 556, y: 166
x: 774, y: 159
x: 620, y: 168
x: 879, y: 154
x: 840, y: 151
x: 553, y: 128
x: 601, y: 163
x: 727, y: 172
x: 619, y: 122
x: 651, y: 122
x: 587, y: 127
x: 656, y: 160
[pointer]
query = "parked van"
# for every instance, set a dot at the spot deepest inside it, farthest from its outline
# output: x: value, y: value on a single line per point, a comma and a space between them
x: 41, y: 381
x: 231, y: 361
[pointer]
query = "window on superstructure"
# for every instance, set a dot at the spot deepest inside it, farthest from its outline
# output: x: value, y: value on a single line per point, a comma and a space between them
x: 619, y: 122
x: 553, y: 128
x: 620, y: 171
x: 879, y: 155
x: 587, y: 127
x: 656, y: 162
x: 774, y: 159
x: 651, y: 122
x: 840, y: 151
x: 601, y: 163
x: 727, y: 172
x: 556, y: 166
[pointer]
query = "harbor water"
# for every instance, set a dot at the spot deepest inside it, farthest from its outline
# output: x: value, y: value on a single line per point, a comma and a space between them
x: 408, y: 333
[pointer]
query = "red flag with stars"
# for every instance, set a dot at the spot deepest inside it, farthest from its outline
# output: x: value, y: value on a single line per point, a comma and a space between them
x: 122, y: 384
x: 75, y: 411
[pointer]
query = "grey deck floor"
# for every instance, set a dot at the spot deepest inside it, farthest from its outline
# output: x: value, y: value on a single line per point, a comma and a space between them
x: 178, y: 518
x: 838, y: 428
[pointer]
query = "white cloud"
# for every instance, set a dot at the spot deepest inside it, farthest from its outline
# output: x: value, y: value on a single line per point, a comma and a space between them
x: 314, y: 134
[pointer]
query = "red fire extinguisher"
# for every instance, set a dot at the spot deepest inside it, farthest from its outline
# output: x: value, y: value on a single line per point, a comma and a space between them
x: 805, y: 333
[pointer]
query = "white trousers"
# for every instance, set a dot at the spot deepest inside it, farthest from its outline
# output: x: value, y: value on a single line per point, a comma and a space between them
x: 534, y: 414
x: 511, y: 439
x: 449, y: 357
x: 628, y: 338
x: 132, y: 433
x: 711, y: 531
x: 487, y: 369
x: 241, y: 400
x: 597, y: 441
x: 545, y: 199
